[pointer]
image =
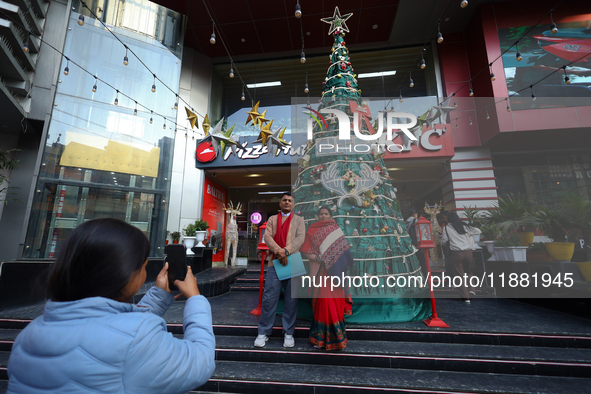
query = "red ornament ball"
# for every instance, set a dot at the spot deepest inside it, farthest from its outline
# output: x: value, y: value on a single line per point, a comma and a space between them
x: 364, y: 231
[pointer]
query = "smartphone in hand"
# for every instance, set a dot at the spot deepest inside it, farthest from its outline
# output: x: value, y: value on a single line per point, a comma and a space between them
x: 177, y: 266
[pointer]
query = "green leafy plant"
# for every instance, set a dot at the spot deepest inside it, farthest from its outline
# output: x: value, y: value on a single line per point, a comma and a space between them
x: 475, y: 218
x: 175, y: 236
x: 490, y: 231
x: 513, y: 212
x: 201, y: 225
x: 552, y: 222
x: 6, y: 163
x: 507, y: 240
x: 189, y: 230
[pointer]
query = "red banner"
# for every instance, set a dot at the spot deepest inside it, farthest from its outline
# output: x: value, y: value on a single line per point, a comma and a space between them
x: 214, y: 198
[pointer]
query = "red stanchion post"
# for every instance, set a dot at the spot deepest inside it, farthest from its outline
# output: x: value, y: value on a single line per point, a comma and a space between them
x: 434, y: 320
x: 425, y: 241
x: 257, y: 311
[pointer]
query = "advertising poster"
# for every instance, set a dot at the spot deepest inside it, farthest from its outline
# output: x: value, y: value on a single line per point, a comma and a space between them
x: 543, y: 57
x: 214, y: 198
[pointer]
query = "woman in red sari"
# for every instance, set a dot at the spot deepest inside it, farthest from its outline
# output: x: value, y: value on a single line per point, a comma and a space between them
x: 328, y: 252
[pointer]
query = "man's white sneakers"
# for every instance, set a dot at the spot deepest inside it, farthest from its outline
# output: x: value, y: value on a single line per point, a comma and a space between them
x: 288, y: 341
x: 261, y: 340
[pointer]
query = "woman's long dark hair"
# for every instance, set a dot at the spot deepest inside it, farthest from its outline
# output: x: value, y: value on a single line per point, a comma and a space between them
x: 97, y: 260
x: 456, y: 223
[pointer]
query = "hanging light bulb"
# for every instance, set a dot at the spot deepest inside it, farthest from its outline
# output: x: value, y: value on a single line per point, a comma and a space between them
x: 67, y: 69
x: 455, y: 104
x: 212, y: 38
x: 151, y: 119
x: 176, y: 103
x: 303, y: 57
x: 508, y: 108
x: 94, y: 86
x: 26, y: 46
x: 400, y: 97
x: 439, y: 35
x: 492, y: 74
x: 135, y: 112
x: 533, y: 96
x: 117, y: 98
x: 154, y: 84
x: 125, y: 59
x: 411, y: 84
x: 423, y: 64
x: 471, y: 93
x: 242, y: 97
x: 553, y: 27
x: 518, y: 56
x: 298, y: 10
x: 457, y: 126
x: 231, y: 73
x: 470, y: 122
x: 464, y: 3
x: 306, y: 90
x: 487, y: 115
x: 566, y: 78
x: 81, y: 20
x: 164, y: 125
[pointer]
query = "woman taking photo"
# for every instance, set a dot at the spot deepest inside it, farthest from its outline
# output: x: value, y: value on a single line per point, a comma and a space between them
x: 461, y: 244
x: 328, y: 252
x: 91, y: 339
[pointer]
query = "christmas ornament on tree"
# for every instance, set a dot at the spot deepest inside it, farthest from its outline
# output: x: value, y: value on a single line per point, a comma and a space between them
x: 361, y: 198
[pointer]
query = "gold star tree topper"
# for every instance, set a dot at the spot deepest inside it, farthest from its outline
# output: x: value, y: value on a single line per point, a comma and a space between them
x: 337, y: 21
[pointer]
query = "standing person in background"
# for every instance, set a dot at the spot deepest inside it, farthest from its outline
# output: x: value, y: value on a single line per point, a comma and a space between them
x: 410, y: 227
x: 284, y: 235
x: 461, y: 245
x: 91, y: 339
x: 442, y: 221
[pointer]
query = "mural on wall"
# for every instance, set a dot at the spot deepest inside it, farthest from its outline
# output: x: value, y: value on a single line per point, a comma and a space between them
x: 214, y: 199
x: 542, y: 52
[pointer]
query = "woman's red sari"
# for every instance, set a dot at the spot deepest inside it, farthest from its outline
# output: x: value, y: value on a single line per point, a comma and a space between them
x: 330, y: 306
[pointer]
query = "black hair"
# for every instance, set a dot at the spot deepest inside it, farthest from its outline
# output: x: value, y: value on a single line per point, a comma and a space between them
x: 325, y: 207
x: 286, y: 194
x: 456, y: 222
x: 411, y: 212
x: 97, y: 260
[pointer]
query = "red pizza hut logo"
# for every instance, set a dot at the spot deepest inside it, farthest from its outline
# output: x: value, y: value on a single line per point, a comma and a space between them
x: 205, y: 152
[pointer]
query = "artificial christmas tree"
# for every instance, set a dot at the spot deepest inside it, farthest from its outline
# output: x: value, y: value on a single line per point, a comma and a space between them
x: 355, y: 185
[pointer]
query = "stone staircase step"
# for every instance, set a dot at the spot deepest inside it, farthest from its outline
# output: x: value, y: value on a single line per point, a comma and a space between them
x: 250, y: 377
x: 413, y: 355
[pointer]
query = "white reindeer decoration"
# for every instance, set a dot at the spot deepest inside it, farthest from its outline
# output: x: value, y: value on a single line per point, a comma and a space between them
x: 232, y: 232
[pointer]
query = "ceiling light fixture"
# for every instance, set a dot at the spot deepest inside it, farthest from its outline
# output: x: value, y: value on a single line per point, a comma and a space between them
x: 263, y: 84
x: 377, y: 74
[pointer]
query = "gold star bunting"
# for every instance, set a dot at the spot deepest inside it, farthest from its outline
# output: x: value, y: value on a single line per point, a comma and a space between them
x: 253, y: 114
x: 337, y: 21
x: 206, y: 125
x: 261, y: 120
x: 281, y: 140
x: 277, y: 140
x: 192, y: 117
x: 224, y: 143
x: 265, y: 133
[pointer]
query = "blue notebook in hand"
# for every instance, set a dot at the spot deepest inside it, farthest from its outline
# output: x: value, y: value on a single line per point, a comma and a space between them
x: 295, y: 267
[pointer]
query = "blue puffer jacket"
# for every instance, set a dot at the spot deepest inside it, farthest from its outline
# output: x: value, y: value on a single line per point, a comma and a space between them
x: 97, y: 345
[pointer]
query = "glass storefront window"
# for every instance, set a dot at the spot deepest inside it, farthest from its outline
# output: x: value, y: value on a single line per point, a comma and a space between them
x: 100, y: 159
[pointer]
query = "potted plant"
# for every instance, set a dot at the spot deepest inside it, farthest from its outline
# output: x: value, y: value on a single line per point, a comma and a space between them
x: 189, y: 236
x: 241, y: 259
x: 176, y: 236
x: 508, y: 248
x: 490, y: 232
x: 537, y: 252
x: 201, y: 227
x: 554, y: 224
x: 166, y: 237
x: 474, y: 219
x: 515, y: 213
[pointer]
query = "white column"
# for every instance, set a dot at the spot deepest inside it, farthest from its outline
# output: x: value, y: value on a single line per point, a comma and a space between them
x: 186, y: 190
